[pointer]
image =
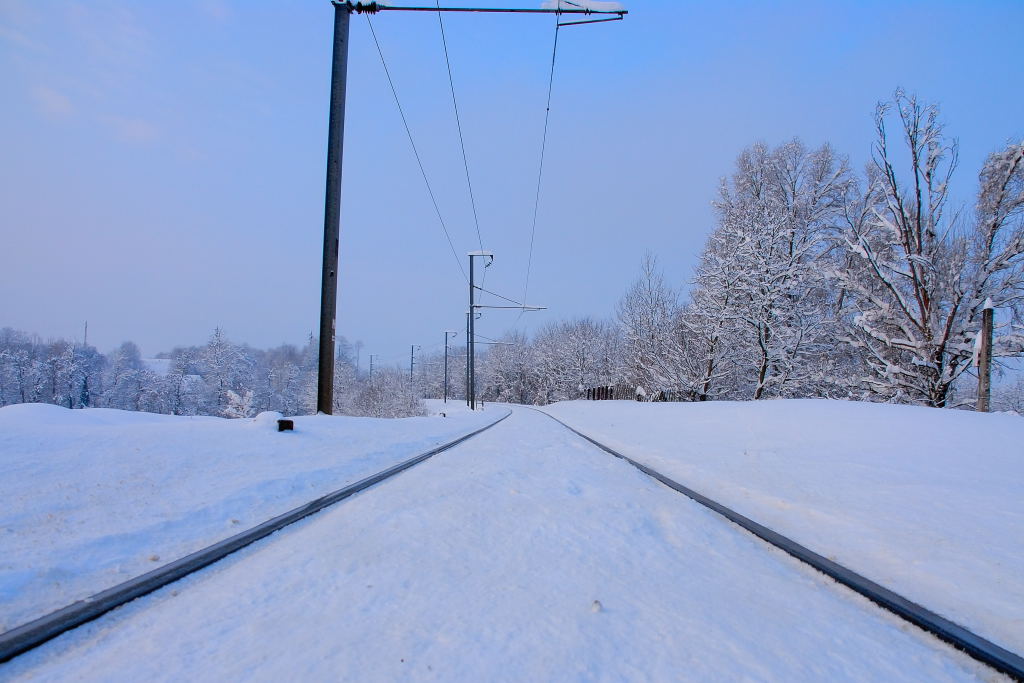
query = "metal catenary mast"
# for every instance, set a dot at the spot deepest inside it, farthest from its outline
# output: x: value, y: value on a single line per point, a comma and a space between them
x: 335, y: 141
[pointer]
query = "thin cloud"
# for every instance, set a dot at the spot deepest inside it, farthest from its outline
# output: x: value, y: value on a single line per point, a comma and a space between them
x: 110, y: 34
x: 16, y: 37
x: 51, y: 102
x: 132, y: 129
x: 215, y: 9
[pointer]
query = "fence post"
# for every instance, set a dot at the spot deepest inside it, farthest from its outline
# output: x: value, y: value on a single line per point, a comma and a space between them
x: 985, y: 360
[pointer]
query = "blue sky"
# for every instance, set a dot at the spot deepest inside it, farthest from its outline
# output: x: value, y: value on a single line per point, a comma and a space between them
x: 163, y: 163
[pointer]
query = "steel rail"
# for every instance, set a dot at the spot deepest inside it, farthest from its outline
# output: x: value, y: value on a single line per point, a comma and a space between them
x: 979, y: 648
x: 34, y: 633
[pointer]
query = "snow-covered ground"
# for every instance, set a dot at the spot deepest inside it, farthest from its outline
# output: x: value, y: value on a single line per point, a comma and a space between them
x: 93, y: 497
x: 525, y: 554
x: 927, y: 502
x: 454, y: 407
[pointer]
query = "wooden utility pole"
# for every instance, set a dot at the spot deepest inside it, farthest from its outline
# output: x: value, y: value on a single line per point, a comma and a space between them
x: 332, y: 211
x: 985, y: 359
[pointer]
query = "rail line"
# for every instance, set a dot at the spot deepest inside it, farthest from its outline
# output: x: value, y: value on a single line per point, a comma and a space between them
x: 23, y: 638
x: 975, y: 646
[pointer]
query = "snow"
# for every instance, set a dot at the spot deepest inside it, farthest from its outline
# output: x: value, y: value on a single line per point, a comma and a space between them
x: 927, y: 502
x: 95, y: 497
x: 453, y: 408
x: 524, y: 554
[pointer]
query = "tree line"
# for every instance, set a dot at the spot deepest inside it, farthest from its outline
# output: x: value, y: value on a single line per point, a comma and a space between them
x: 218, y: 378
x: 816, y: 281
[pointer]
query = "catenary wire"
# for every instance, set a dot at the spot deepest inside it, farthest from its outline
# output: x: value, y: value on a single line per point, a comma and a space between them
x: 496, y: 341
x: 540, y: 168
x: 511, y: 301
x: 458, y: 125
x: 415, y: 151
x: 462, y: 142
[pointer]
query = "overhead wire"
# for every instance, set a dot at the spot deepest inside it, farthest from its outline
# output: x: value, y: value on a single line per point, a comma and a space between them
x: 465, y: 157
x: 458, y: 124
x: 511, y: 301
x: 403, y: 357
x: 462, y: 142
x: 415, y: 151
x: 540, y: 168
x: 493, y: 341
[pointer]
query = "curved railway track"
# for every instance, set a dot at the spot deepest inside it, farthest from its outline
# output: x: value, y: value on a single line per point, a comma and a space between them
x: 979, y: 648
x: 33, y: 634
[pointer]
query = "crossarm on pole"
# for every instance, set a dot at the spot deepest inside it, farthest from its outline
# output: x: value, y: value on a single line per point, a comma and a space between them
x: 374, y: 7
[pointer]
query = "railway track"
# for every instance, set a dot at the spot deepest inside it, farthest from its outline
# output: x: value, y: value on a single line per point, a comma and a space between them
x: 979, y: 648
x: 34, y: 633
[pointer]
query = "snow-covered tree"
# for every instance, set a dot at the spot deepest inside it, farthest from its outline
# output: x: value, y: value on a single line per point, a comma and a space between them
x: 708, y: 320
x: 918, y: 274
x: 652, y: 344
x: 28, y: 370
x: 184, y: 391
x: 126, y: 379
x: 239, y: 404
x: 760, y: 322
x: 505, y: 372
x: 774, y: 216
x: 567, y: 358
x: 225, y: 366
x: 1009, y: 396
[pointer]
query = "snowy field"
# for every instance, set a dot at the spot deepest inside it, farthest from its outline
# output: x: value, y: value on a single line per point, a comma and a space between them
x: 524, y: 554
x: 927, y: 502
x: 94, y: 497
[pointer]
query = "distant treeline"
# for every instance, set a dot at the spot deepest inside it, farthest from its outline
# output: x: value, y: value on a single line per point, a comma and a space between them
x: 218, y: 378
x: 815, y: 282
